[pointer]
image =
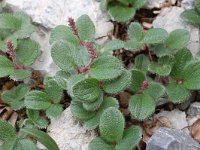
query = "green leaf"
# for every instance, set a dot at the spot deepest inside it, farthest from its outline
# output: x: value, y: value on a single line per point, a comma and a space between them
x: 160, y: 69
x: 82, y: 57
x: 191, y: 76
x: 19, y: 75
x: 137, y: 79
x: 87, y: 90
x: 183, y: 37
x: 15, y: 97
x: 55, y: 110
x: 197, y: 5
x: 130, y: 139
x: 107, y: 102
x: 141, y: 63
x: 177, y: 93
x: 8, y: 21
x: 79, y: 112
x: 6, y: 66
x: 99, y: 144
x: 42, y: 123
x: 106, y: 68
x: 95, y: 105
x: 37, y: 100
x: 63, y: 33
x: 113, y: 45
x: 7, y: 146
x: 141, y: 106
x: 155, y: 90
x: 74, y: 79
x: 139, y: 3
x: 133, y: 45
x: 182, y: 58
x: 27, y: 51
x: 191, y: 16
x: 24, y: 144
x: 160, y: 49
x: 26, y: 28
x: 42, y: 137
x: 7, y: 132
x: 125, y: 13
x: 112, y: 125
x: 135, y: 31
x: 62, y: 54
x: 86, y: 28
x: 156, y: 35
x: 119, y: 84
x: 54, y: 91
x: 62, y: 78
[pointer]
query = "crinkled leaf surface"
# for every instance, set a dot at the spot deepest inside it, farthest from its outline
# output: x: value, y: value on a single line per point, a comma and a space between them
x: 99, y: 144
x: 54, y: 111
x: 106, y: 68
x: 137, y: 79
x: 141, y: 63
x: 191, y: 16
x: 24, y: 144
x: 135, y: 31
x: 141, y: 106
x: 20, y: 74
x: 112, y: 125
x: 6, y: 66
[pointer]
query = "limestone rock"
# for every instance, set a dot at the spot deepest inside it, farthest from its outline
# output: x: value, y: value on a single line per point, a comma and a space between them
x: 68, y: 133
x: 187, y: 4
x: 171, y: 139
x: 170, y: 20
x: 158, y: 3
x: 176, y: 117
x: 194, y: 109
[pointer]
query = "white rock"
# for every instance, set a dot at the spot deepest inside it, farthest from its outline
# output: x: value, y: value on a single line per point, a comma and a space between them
x: 170, y: 20
x: 68, y: 133
x: 176, y: 117
x: 187, y: 4
x: 155, y: 4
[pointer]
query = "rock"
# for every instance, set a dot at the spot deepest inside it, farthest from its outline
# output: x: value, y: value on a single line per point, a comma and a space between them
x: 68, y: 133
x: 187, y: 4
x: 171, y: 139
x: 176, y: 117
x: 170, y: 20
x: 161, y: 101
x: 194, y: 109
x: 50, y: 13
x: 158, y: 3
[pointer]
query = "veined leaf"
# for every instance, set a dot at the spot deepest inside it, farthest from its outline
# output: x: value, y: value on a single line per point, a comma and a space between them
x: 160, y: 69
x: 141, y: 106
x: 106, y: 68
x: 130, y: 139
x: 177, y: 93
x: 15, y: 97
x: 87, y: 90
x: 142, y: 63
x: 135, y: 31
x: 155, y: 35
x: 191, y: 16
x: 42, y: 137
x: 182, y: 58
x: 178, y: 39
x: 113, y: 45
x: 95, y: 105
x: 155, y: 90
x: 7, y: 132
x: 191, y: 76
x: 119, y: 84
x: 62, y: 54
x: 79, y: 112
x: 63, y: 33
x: 54, y: 111
x: 62, y: 79
x: 6, y: 66
x: 8, y: 21
x: 19, y: 74
x: 133, y: 45
x: 137, y: 79
x: 139, y: 3
x: 86, y: 28
x: 107, y: 103
x: 37, y: 100
x: 27, y: 51
x: 123, y: 15
x: 99, y: 144
x: 54, y: 91
x: 24, y: 144
x: 112, y: 125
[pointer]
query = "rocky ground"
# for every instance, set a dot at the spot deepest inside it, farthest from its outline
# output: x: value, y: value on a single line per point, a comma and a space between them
x: 175, y: 126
